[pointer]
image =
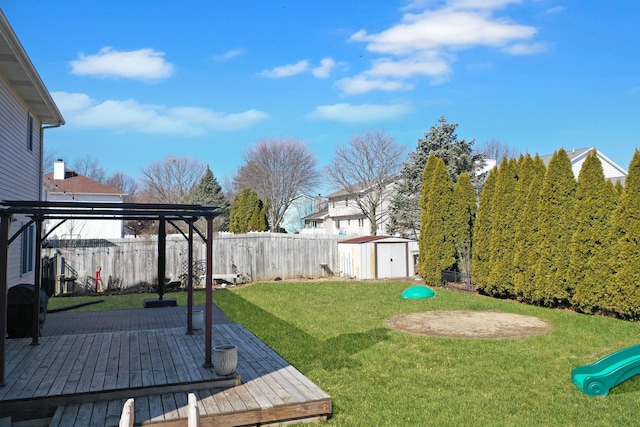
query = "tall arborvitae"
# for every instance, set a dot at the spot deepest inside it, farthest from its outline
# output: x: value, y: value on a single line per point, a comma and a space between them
x: 435, y: 235
x: 619, y: 187
x: 480, y: 262
x: 427, y: 177
x: 539, y: 167
x: 247, y: 213
x: 624, y: 289
x: 465, y: 207
x: 588, y: 274
x: 503, y: 226
x: 525, y: 258
x: 556, y: 226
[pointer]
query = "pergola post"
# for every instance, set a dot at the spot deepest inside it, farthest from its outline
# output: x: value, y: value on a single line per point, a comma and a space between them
x: 162, y: 255
x: 208, y: 310
x: 35, y: 319
x: 190, y: 278
x: 5, y: 221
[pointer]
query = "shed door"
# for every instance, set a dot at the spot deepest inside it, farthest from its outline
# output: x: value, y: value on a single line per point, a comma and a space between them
x: 391, y: 260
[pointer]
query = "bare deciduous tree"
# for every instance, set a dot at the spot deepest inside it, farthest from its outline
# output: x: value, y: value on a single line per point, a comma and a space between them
x: 496, y: 149
x: 124, y: 183
x: 364, y: 169
x: 90, y: 167
x: 278, y: 170
x: 170, y: 180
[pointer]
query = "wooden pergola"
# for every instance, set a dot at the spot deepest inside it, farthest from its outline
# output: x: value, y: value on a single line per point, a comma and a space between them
x: 39, y: 211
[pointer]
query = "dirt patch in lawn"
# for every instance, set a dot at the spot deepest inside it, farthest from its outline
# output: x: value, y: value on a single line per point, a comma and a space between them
x: 469, y: 324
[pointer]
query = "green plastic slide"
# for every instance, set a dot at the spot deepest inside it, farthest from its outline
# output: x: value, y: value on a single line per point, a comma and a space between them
x: 599, y: 377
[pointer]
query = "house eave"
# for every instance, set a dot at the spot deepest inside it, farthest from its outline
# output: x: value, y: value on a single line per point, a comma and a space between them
x: 16, y: 66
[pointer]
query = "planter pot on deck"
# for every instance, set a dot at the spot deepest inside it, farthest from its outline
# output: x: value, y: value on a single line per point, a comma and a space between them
x: 225, y: 359
x: 197, y: 319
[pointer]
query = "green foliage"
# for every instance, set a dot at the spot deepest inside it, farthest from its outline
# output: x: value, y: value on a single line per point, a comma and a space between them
x: 526, y: 235
x: 590, y: 248
x: 624, y: 289
x: 435, y: 234
x: 248, y: 213
x: 458, y: 156
x: 427, y: 178
x: 480, y: 262
x: 463, y: 218
x: 209, y: 192
x: 555, y: 230
x: 502, y: 242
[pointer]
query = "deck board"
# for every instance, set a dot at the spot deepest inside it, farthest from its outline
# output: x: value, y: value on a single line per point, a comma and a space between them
x: 88, y: 376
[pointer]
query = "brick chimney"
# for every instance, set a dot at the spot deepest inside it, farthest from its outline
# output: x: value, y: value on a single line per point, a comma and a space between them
x: 58, y: 169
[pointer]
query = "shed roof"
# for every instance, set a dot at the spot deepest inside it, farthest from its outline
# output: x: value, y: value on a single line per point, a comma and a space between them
x: 366, y: 239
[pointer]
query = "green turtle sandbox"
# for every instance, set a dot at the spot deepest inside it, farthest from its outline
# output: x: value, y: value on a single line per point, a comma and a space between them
x: 599, y: 377
x: 418, y: 292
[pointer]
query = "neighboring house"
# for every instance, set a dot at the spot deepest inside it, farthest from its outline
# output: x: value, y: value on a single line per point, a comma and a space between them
x: 344, y: 217
x: 26, y: 110
x: 64, y: 185
x: 378, y: 257
x: 300, y: 207
x: 611, y: 170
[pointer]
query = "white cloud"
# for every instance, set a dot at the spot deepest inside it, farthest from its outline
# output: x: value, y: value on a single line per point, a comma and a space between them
x: 323, y: 71
x: 525, y: 48
x: 142, y: 64
x: 444, y: 29
x: 287, y: 70
x: 229, y: 55
x: 362, y: 84
x: 556, y: 10
x: 428, y: 63
x: 426, y: 40
x: 129, y: 115
x: 364, y: 113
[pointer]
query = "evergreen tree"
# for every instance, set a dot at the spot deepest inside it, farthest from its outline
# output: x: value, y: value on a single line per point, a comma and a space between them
x: 247, y: 213
x: 435, y: 234
x: 588, y: 273
x: 427, y: 178
x: 458, y: 156
x: 619, y: 187
x: 480, y: 262
x: 503, y: 226
x: 624, y: 289
x: 526, y: 235
x: 209, y: 192
x: 556, y: 226
x: 465, y: 207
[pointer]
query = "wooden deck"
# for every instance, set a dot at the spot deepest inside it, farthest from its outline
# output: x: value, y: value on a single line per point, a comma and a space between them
x: 84, y: 379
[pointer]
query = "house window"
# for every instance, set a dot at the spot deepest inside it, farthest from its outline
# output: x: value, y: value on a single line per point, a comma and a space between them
x: 348, y: 222
x: 337, y: 223
x: 346, y: 201
x: 360, y: 222
x: 314, y: 223
x: 26, y: 264
x: 30, y: 133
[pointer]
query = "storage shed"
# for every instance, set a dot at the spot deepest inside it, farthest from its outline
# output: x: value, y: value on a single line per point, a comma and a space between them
x: 377, y: 257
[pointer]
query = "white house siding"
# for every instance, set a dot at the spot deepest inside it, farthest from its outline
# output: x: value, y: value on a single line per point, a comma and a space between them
x: 87, y: 229
x: 17, y: 183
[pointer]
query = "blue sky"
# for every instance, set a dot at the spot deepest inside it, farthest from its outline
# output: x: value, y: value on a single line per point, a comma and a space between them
x: 139, y: 80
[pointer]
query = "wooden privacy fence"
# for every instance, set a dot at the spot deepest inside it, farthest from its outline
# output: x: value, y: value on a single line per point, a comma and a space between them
x: 256, y: 256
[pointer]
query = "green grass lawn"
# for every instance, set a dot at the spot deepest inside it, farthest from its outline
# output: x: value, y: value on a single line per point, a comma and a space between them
x: 334, y: 333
